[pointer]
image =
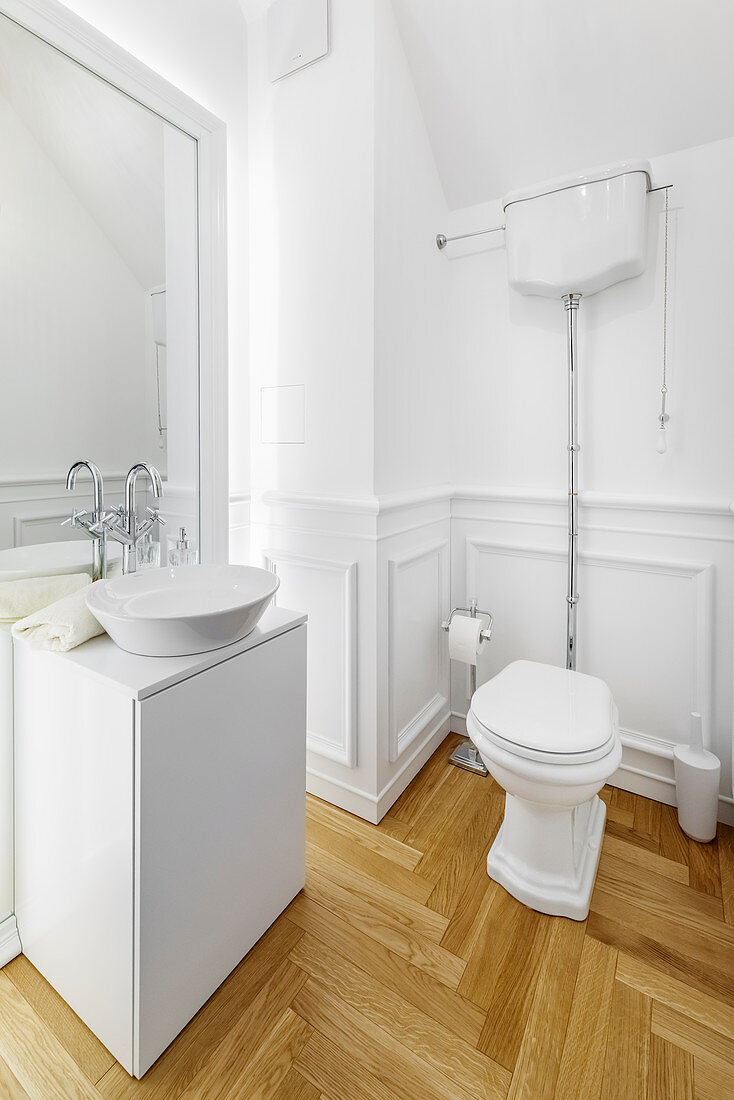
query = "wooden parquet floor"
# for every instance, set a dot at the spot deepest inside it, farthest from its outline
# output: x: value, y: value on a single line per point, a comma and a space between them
x: 402, y: 971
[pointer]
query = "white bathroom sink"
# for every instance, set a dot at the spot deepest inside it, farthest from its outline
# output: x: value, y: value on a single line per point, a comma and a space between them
x: 188, y: 609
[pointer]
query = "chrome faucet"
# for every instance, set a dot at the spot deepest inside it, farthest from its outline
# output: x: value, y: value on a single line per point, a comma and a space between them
x: 90, y: 521
x: 122, y: 524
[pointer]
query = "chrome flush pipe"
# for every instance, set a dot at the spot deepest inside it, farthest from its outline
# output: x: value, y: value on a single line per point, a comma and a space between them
x: 91, y: 524
x: 571, y: 305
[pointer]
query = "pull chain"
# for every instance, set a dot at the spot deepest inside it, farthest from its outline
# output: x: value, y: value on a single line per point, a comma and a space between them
x: 664, y: 418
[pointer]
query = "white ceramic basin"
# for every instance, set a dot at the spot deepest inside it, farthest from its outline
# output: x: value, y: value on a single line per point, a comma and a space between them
x: 189, y: 609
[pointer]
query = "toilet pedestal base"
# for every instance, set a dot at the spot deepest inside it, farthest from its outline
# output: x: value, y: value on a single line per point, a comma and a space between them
x: 547, y: 856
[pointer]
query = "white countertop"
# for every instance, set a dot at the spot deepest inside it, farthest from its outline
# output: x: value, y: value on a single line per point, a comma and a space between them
x: 140, y: 677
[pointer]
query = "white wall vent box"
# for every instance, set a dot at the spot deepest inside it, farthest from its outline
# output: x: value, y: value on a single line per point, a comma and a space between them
x: 298, y: 35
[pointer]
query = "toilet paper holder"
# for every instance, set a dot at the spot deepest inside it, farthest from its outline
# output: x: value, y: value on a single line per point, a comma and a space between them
x: 466, y: 755
x: 473, y: 611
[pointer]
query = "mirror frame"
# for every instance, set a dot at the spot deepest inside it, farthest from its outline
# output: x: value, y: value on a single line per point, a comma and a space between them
x: 83, y: 43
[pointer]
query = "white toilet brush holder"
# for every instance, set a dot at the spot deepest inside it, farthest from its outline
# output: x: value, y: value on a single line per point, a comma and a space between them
x: 697, y: 774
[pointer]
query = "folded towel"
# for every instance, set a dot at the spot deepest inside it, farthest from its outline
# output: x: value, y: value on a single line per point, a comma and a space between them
x: 60, y: 627
x: 21, y: 598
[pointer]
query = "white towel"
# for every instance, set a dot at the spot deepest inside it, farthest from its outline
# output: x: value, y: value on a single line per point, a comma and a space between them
x: 23, y: 597
x: 60, y: 627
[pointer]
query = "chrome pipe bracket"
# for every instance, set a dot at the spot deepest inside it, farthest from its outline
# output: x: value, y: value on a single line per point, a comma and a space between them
x: 442, y: 240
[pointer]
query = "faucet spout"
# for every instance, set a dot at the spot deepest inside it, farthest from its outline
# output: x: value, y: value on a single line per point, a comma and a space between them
x: 132, y: 529
x: 97, y: 483
x: 91, y: 524
x: 131, y: 483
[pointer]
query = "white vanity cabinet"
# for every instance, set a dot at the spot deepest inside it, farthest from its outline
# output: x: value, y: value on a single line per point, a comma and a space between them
x: 160, y: 814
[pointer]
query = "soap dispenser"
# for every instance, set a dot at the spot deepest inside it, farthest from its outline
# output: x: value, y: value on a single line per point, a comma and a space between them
x: 183, y: 553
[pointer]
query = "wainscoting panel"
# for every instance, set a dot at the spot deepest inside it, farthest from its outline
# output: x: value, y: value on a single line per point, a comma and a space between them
x: 655, y: 621
x: 31, y: 511
x: 645, y: 626
x: 327, y: 591
x: 656, y: 581
x: 418, y: 586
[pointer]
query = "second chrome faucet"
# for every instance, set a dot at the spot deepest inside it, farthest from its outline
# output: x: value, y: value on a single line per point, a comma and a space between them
x: 122, y: 525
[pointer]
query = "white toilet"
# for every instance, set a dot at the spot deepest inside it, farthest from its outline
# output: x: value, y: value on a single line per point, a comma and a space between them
x: 550, y: 737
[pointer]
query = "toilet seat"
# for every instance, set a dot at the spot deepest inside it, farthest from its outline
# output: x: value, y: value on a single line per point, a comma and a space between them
x: 548, y: 714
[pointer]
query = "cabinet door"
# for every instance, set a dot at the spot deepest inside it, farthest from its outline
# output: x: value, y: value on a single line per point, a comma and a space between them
x: 74, y: 839
x: 220, y: 827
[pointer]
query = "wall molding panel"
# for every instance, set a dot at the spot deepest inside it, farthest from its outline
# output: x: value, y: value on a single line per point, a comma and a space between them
x: 699, y: 574
x: 649, y: 624
x: 420, y: 659
x: 31, y: 509
x: 654, y: 578
x: 374, y: 505
x: 332, y: 627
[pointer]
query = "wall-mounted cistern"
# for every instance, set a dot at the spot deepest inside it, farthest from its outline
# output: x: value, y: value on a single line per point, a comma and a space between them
x: 122, y: 524
x: 91, y: 521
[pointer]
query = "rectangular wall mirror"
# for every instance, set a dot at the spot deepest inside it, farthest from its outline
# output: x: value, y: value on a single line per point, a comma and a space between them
x: 99, y: 284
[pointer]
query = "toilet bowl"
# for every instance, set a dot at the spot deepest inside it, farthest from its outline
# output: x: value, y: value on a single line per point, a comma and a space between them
x: 550, y: 737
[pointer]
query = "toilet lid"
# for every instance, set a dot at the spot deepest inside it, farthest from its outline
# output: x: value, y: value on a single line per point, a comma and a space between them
x: 544, y: 712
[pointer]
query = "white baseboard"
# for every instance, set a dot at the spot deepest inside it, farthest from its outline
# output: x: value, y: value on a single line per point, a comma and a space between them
x: 391, y: 792
x: 9, y: 940
x: 645, y: 770
x: 644, y: 783
x: 458, y: 724
x: 343, y: 795
x: 372, y: 807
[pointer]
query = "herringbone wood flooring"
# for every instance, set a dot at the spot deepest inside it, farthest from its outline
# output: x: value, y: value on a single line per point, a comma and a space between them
x: 402, y: 971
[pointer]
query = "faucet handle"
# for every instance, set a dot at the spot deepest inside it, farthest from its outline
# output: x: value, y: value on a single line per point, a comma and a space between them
x: 155, y: 516
x: 104, y: 523
x: 74, y: 520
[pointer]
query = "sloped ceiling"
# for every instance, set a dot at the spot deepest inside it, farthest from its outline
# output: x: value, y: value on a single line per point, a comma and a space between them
x: 108, y: 148
x: 518, y: 91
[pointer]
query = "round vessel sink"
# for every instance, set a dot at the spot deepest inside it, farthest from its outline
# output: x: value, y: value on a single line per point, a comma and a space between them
x: 174, y: 612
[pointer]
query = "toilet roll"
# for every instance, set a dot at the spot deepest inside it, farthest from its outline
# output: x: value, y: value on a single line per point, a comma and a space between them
x: 465, y: 643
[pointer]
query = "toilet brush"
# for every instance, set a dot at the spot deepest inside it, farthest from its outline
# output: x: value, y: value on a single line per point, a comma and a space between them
x: 697, y: 773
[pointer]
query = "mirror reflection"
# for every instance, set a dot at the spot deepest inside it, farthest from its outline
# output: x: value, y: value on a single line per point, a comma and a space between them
x: 99, y: 339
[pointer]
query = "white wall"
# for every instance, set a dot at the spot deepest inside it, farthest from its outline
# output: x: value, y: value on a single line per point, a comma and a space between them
x: 202, y: 49
x: 508, y: 361
x: 348, y: 294
x: 412, y: 385
x: 514, y: 94
x: 654, y: 619
x: 312, y: 255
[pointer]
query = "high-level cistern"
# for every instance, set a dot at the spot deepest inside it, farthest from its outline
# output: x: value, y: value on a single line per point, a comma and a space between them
x: 587, y: 232
x: 90, y: 521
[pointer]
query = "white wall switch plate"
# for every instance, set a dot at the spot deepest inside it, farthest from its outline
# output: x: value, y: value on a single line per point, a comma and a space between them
x: 298, y: 34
